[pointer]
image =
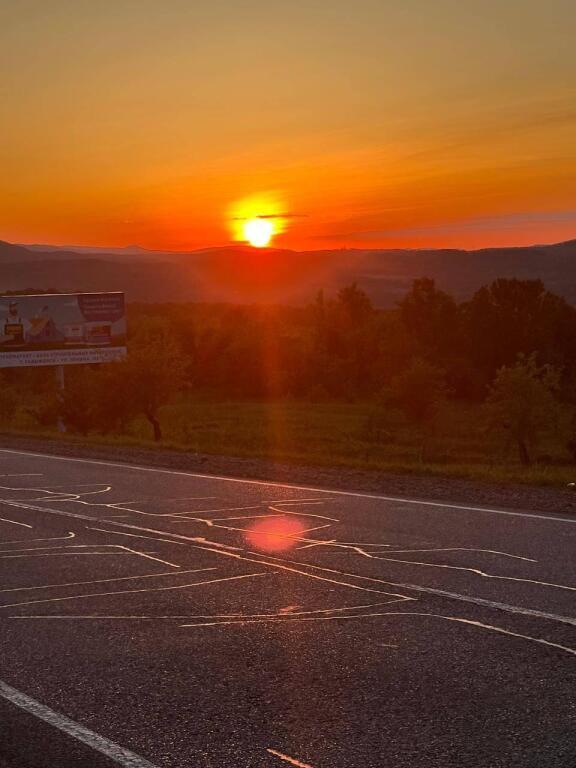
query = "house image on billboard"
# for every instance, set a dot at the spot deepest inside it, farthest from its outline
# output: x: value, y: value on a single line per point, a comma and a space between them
x: 43, y: 329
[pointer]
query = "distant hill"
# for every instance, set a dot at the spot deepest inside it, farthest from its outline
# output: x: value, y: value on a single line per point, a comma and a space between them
x: 16, y: 253
x: 245, y: 275
x: 91, y: 250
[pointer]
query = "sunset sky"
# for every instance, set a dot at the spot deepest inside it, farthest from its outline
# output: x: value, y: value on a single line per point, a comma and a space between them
x: 373, y: 123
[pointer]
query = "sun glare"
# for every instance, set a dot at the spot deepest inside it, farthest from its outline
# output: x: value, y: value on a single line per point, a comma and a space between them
x: 259, y: 232
x: 257, y: 219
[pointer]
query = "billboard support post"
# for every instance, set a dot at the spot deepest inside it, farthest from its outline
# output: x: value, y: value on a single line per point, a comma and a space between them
x: 62, y: 329
x: 61, y: 384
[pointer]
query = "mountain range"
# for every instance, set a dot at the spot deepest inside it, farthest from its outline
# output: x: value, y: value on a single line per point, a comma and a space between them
x: 240, y: 274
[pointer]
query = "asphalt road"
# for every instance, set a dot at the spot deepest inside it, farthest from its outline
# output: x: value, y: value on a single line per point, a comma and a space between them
x: 157, y: 618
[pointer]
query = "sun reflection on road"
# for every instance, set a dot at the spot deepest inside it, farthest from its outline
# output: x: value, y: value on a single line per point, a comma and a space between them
x: 275, y: 534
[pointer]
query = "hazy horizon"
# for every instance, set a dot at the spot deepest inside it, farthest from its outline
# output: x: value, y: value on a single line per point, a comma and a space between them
x: 232, y: 244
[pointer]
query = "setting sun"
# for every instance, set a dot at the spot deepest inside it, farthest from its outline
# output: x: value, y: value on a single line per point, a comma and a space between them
x: 258, y: 219
x: 258, y: 232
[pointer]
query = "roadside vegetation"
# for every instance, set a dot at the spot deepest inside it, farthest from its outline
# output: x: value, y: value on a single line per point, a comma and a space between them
x: 483, y: 389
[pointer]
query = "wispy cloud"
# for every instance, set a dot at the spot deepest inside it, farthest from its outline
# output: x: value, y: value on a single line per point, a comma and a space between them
x: 477, y: 224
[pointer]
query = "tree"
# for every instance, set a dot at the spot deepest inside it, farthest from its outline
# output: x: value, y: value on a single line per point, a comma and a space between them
x: 521, y: 404
x: 431, y: 318
x: 511, y: 316
x: 79, y: 401
x: 153, y: 373
x: 352, y: 344
x: 420, y: 391
x: 354, y: 304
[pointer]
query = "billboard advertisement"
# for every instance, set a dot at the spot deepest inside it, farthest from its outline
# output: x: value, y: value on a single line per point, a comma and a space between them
x: 62, y: 329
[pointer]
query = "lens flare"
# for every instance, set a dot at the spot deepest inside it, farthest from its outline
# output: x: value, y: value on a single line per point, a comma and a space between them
x: 259, y: 232
x: 275, y: 534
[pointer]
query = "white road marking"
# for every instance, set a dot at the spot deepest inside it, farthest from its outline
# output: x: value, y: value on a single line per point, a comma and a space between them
x: 303, y: 514
x: 66, y: 554
x: 458, y: 549
x: 239, y: 619
x: 62, y: 546
x: 244, y: 517
x: 282, y: 564
x: 71, y: 535
x: 108, y: 594
x: 376, y: 556
x: 298, y: 501
x: 489, y: 627
x: 442, y: 593
x: 470, y: 622
x: 202, y: 544
x: 14, y: 522
x: 317, y: 544
x: 100, y: 744
x: 193, y: 512
x: 475, y: 571
x: 285, y: 617
x: 501, y: 606
x: 209, y: 616
x: 196, y: 539
x: 95, y: 581
x: 148, y: 557
x: 272, y: 484
x: 288, y: 759
x: 307, y: 530
x: 71, y: 485
x: 16, y: 553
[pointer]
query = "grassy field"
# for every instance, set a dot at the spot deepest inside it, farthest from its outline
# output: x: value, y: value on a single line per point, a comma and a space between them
x: 358, y: 436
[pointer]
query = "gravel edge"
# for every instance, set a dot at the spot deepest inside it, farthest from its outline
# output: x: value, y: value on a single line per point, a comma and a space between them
x: 416, y: 487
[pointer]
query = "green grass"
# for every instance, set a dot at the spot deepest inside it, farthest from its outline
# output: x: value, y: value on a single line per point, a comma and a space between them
x: 339, y: 435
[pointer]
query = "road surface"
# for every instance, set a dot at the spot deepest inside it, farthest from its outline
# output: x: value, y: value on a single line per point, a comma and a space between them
x: 150, y: 617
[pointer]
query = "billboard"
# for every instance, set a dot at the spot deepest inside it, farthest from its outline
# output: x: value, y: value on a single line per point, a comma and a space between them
x: 62, y: 329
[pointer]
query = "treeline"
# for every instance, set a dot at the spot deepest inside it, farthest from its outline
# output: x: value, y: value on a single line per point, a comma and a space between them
x: 510, y: 350
x: 344, y: 348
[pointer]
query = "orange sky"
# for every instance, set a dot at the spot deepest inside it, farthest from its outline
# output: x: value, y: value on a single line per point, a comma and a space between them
x: 376, y: 123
